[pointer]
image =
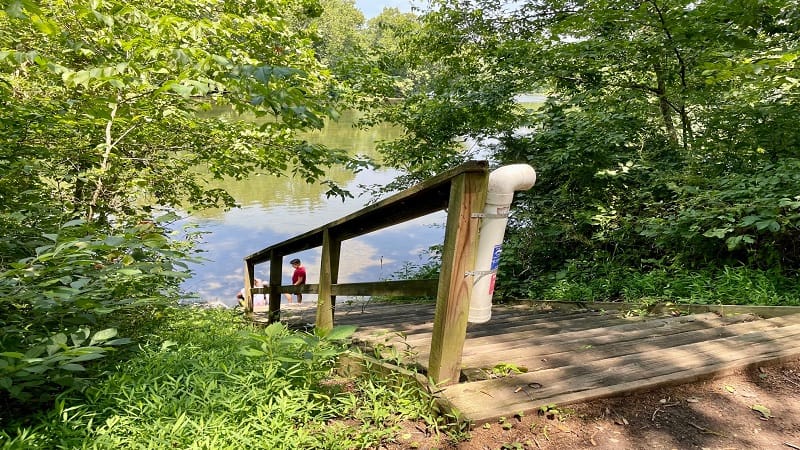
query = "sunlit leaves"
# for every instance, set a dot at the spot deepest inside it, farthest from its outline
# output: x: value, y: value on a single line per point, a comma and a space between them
x: 125, y: 80
x: 668, y: 133
x: 55, y: 358
x: 189, y: 385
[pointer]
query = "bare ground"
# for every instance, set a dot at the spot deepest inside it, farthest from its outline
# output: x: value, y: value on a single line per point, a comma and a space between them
x: 756, y: 408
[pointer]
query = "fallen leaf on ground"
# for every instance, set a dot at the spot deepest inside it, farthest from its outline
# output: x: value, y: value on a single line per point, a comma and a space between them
x: 765, y: 412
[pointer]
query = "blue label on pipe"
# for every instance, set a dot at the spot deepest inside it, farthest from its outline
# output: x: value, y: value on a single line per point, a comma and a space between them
x: 496, y: 257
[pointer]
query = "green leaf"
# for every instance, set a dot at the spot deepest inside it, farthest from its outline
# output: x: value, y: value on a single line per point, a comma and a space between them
x: 129, y: 272
x: 114, y: 241
x: 35, y: 352
x: 182, y: 90
x: 79, y: 283
x: 340, y: 332
x: 252, y: 352
x: 733, y: 242
x: 291, y: 340
x: 765, y: 412
x: 749, y: 220
x: 288, y: 359
x: 103, y: 335
x: 72, y: 367
x: 73, y: 223
x: 717, y: 232
x: 53, y: 348
x: 59, y: 338
x: 80, y: 336
x: 763, y: 224
x: 36, y: 368
x: 87, y: 357
x: 120, y: 341
x: 21, y: 8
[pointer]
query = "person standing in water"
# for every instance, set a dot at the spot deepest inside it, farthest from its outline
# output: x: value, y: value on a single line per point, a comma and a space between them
x: 298, y: 279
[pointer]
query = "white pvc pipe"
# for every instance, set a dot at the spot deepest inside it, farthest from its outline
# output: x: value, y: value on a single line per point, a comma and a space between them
x: 503, y: 182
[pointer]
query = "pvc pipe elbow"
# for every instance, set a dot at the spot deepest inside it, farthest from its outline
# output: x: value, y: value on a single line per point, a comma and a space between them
x: 503, y: 182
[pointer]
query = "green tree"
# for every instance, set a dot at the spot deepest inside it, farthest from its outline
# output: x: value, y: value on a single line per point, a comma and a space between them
x: 666, y: 136
x: 116, y: 81
x: 340, y: 32
x: 370, y: 61
x: 104, y: 128
x: 389, y: 38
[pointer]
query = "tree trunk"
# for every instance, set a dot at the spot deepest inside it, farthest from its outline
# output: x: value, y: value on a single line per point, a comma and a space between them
x: 663, y: 104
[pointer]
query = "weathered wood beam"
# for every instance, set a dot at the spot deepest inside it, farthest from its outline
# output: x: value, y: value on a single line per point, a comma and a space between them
x: 467, y: 198
x: 249, y: 276
x: 417, y: 201
x: 324, y: 308
x: 394, y: 288
x: 275, y: 274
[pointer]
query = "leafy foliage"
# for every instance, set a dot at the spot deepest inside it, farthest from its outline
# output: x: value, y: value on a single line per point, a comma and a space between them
x: 666, y: 142
x: 104, y: 140
x: 78, y: 279
x: 110, y: 91
x: 57, y: 360
x: 205, y: 380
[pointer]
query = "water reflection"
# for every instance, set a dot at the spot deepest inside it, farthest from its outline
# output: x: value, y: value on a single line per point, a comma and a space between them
x: 274, y: 209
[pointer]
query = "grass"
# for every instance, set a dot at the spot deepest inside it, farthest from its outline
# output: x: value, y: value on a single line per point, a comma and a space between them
x: 207, y: 381
x: 727, y: 285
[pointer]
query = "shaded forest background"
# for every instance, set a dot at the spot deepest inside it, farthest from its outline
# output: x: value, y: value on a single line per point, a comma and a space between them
x: 666, y: 149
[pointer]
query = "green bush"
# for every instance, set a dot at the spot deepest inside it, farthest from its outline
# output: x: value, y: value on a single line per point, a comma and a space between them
x: 727, y: 285
x: 205, y: 380
x: 76, y: 279
x: 56, y: 360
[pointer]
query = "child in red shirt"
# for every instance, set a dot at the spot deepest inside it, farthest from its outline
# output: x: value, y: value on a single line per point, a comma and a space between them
x: 298, y: 279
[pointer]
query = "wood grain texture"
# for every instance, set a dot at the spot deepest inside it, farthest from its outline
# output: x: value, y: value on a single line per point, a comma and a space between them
x: 467, y: 197
x: 579, y: 355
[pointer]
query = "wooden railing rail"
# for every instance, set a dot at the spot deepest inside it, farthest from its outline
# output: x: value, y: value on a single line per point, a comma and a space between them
x: 415, y: 288
x: 462, y: 192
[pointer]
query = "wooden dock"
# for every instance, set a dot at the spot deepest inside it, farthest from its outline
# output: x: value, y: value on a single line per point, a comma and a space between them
x: 525, y: 358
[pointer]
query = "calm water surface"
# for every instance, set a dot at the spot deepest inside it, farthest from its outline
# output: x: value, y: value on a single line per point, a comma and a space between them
x: 274, y: 209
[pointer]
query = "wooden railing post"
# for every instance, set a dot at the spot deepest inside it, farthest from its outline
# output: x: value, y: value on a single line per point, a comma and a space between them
x: 324, y: 298
x: 249, y: 275
x: 462, y: 189
x: 275, y: 275
x: 336, y: 251
x: 467, y: 198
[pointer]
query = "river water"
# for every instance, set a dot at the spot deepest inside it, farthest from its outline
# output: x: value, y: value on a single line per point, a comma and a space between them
x: 274, y: 209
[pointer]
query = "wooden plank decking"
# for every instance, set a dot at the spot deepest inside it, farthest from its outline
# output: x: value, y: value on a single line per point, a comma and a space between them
x: 570, y: 356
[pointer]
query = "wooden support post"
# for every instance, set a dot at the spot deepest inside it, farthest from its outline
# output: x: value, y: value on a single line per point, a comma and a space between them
x: 467, y: 196
x: 336, y: 251
x: 324, y: 306
x: 249, y: 275
x: 275, y: 275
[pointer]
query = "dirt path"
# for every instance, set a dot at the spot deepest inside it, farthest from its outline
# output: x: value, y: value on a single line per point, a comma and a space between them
x: 757, y: 408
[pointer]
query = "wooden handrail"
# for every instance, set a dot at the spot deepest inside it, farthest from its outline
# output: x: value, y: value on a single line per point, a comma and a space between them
x: 417, y: 288
x: 420, y: 200
x: 462, y: 192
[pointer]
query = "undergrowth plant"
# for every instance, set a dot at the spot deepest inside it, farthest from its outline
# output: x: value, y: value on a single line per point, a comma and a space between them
x: 71, y: 296
x: 205, y: 380
x: 583, y: 281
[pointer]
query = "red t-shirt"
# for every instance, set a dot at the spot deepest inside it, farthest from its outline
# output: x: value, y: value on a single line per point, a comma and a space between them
x: 299, y: 273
